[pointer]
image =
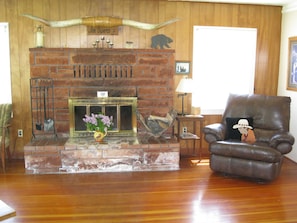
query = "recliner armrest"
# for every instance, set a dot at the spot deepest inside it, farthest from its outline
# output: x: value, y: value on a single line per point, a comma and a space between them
x: 214, y: 132
x: 282, y: 142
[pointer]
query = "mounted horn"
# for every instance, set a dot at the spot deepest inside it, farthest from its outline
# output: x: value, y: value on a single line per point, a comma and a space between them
x: 101, y: 21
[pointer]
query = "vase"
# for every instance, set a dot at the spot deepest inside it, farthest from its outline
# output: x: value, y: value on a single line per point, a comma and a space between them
x: 99, y: 136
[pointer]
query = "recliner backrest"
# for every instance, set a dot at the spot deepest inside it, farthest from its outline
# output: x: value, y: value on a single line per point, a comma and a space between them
x: 270, y: 114
x: 5, y: 115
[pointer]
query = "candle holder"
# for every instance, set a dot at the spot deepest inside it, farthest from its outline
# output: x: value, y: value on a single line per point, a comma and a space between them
x: 107, y: 43
x: 97, y: 43
x: 102, y: 41
x: 39, y: 35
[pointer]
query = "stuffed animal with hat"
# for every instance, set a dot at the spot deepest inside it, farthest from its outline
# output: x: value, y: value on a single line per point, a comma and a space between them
x: 247, y: 133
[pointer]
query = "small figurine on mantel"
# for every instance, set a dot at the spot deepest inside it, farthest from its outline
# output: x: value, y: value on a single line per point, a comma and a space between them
x: 160, y: 41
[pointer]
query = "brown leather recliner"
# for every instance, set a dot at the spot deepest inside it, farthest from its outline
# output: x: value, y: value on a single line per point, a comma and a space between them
x: 270, y: 118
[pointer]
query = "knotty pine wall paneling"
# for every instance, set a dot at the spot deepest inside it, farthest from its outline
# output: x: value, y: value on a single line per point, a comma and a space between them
x: 183, y: 42
x: 267, y: 19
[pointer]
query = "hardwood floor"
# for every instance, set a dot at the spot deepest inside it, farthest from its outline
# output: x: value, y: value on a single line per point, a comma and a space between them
x: 192, y: 194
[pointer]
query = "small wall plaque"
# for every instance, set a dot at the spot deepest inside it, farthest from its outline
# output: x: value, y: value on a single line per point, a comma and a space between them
x: 102, y: 94
x: 91, y: 30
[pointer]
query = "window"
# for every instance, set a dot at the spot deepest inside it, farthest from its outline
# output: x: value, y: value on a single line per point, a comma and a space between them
x: 223, y: 63
x: 5, y: 83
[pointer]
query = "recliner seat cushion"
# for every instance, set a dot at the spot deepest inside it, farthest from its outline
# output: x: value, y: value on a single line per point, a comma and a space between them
x: 246, y: 151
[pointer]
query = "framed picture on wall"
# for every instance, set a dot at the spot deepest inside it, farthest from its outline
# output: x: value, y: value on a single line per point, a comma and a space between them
x: 182, y: 67
x: 292, y: 66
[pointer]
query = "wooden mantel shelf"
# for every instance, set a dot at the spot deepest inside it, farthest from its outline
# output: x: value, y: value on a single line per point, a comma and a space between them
x: 104, y: 50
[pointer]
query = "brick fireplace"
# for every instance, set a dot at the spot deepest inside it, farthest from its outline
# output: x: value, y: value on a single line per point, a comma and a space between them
x: 76, y: 72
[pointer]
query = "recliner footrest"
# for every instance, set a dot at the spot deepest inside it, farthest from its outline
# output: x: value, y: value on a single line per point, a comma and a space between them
x: 246, y: 151
x: 244, y: 167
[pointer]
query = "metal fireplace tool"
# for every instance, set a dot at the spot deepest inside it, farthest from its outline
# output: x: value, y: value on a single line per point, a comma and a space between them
x: 42, y: 107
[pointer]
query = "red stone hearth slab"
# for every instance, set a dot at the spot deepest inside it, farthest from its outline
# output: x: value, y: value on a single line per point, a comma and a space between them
x: 115, y: 154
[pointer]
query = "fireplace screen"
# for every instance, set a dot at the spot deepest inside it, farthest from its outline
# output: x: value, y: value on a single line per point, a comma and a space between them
x: 122, y: 109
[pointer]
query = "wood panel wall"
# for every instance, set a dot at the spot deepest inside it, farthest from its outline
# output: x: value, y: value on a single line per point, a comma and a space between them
x: 267, y: 19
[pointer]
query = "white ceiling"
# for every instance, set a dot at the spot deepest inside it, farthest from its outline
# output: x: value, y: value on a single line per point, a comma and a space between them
x: 288, y: 5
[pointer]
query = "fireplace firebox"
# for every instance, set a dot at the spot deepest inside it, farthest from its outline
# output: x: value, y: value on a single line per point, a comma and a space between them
x: 122, y: 110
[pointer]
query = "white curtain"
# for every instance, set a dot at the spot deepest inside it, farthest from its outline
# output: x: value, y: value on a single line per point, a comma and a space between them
x: 223, y: 63
x: 5, y: 78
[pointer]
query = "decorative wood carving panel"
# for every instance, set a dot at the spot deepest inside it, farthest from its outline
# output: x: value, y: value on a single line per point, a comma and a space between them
x: 102, y: 71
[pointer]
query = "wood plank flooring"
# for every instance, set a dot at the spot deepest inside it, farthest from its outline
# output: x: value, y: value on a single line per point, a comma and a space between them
x: 192, y: 194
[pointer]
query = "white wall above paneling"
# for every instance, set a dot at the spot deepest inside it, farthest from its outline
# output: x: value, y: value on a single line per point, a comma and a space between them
x: 289, y: 29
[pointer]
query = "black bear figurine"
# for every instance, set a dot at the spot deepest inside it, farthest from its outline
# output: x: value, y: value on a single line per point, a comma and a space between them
x: 161, y: 41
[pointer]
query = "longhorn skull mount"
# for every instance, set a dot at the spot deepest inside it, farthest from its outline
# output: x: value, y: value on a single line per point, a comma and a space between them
x: 101, y: 21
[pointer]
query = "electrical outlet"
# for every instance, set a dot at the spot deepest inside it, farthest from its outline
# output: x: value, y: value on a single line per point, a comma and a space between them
x: 185, y: 129
x: 20, y: 132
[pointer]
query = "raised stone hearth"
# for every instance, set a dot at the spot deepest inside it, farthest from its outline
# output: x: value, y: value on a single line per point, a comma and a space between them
x: 115, y: 154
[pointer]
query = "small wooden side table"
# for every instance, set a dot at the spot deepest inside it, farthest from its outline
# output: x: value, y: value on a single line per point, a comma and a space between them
x: 195, y: 136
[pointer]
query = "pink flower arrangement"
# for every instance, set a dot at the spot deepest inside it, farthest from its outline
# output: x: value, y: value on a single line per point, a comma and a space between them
x: 98, y: 122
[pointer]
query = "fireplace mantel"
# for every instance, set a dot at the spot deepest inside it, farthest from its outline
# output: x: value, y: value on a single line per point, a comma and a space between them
x: 80, y: 72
